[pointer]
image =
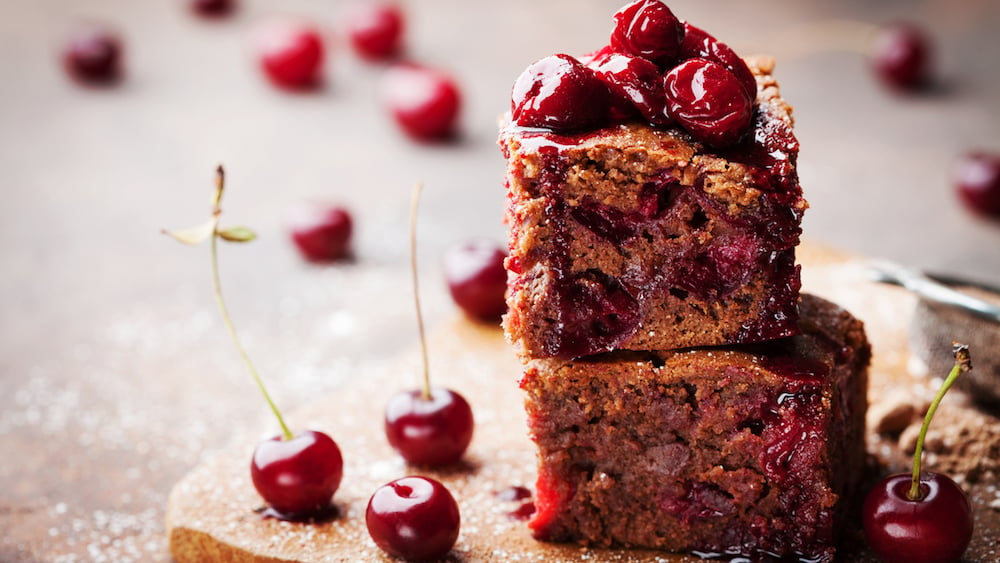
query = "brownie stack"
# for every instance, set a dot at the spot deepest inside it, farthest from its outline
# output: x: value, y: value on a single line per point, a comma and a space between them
x: 682, y: 394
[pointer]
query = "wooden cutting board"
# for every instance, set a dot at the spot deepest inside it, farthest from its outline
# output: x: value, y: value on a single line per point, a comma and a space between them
x: 214, y: 514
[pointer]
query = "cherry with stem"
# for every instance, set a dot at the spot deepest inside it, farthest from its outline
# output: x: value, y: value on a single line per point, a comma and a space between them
x: 296, y: 474
x: 430, y: 426
x: 921, y: 516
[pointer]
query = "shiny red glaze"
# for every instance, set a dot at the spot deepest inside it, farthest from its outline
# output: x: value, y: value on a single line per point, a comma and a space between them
x: 559, y: 93
x: 635, y: 83
x: 424, y: 102
x: 698, y: 44
x: 977, y: 180
x: 297, y: 477
x: 935, y: 529
x: 901, y: 56
x: 212, y: 8
x: 708, y: 101
x: 477, y: 279
x: 375, y: 30
x: 431, y: 432
x: 92, y: 55
x: 413, y: 518
x: 648, y: 29
x: 321, y: 232
x: 291, y: 55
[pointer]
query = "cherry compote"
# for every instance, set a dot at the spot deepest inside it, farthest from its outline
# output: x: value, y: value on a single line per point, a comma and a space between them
x: 648, y: 29
x: 699, y: 44
x: 560, y: 93
x: 635, y: 84
x: 477, y: 279
x: 708, y: 101
x: 413, y: 518
x: 429, y: 429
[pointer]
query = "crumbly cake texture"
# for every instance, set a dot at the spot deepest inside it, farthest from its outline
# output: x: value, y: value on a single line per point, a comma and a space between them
x: 741, y: 450
x: 640, y: 238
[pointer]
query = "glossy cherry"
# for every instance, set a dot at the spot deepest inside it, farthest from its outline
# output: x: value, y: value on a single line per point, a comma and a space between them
x: 559, y: 93
x: 977, y: 180
x: 698, y: 44
x: 477, y: 278
x: 708, y: 101
x: 213, y: 8
x: 424, y: 102
x: 291, y: 55
x: 648, y: 29
x: 635, y: 84
x: 375, y: 30
x: 93, y: 55
x: 430, y: 431
x: 321, y: 231
x: 413, y: 518
x: 901, y: 56
x: 297, y: 477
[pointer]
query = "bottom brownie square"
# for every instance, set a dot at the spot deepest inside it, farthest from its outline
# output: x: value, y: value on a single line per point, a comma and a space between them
x: 738, y: 450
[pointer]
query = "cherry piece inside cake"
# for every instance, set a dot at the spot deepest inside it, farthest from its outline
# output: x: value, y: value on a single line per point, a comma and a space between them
x: 743, y: 450
x: 640, y: 237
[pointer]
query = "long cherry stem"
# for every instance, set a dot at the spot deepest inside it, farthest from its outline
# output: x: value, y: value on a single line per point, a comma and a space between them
x: 426, y: 393
x: 217, y: 285
x: 962, y: 364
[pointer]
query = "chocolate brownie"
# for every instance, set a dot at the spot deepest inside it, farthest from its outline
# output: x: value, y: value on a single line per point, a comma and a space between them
x: 743, y: 450
x: 641, y: 238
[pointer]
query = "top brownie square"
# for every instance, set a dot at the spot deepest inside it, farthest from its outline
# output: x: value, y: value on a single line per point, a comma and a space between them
x: 639, y: 238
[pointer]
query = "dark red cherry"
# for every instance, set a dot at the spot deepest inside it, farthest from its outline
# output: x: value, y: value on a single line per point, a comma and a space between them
x: 559, y: 93
x: 635, y: 83
x: 708, y: 101
x: 935, y: 529
x: 431, y: 432
x: 213, y: 8
x: 291, y: 55
x: 92, y: 55
x: 900, y: 56
x: 477, y: 279
x: 648, y: 29
x: 424, y: 102
x: 375, y: 30
x: 977, y: 179
x: 297, y: 477
x: 322, y: 232
x: 413, y: 518
x: 699, y: 44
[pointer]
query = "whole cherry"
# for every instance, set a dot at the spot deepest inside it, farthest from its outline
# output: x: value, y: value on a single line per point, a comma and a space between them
x: 321, y: 231
x: 212, y: 8
x: 424, y: 102
x: 559, y: 93
x: 291, y: 54
x: 900, y: 56
x: 477, y: 278
x: 635, y: 84
x: 375, y: 30
x: 648, y: 29
x: 413, y: 518
x: 921, y: 517
x: 297, y: 474
x: 701, y: 45
x: 977, y: 180
x: 93, y: 55
x: 708, y: 101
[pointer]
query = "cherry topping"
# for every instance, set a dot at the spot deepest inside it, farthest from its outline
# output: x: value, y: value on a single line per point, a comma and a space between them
x: 430, y: 431
x: 559, y: 93
x: 413, y: 518
x: 920, y: 517
x: 213, y: 8
x: 477, y: 279
x: 291, y: 55
x: 322, y: 232
x: 708, y: 101
x: 699, y: 44
x: 635, y: 83
x: 424, y: 102
x: 92, y: 55
x: 648, y: 29
x: 900, y: 56
x: 297, y: 476
x: 977, y: 179
x: 376, y: 30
